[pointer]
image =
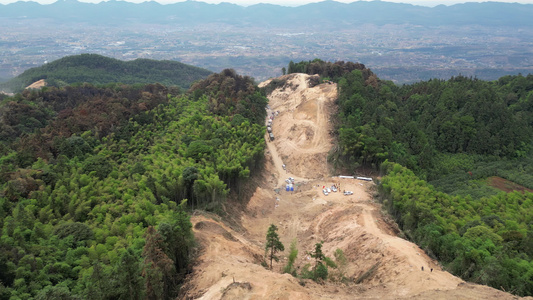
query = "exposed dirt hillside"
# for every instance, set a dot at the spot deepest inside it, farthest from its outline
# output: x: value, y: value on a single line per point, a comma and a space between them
x: 37, y: 84
x: 229, y: 260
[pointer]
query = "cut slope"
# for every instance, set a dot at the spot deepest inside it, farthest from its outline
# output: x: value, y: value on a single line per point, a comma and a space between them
x: 37, y: 84
x: 506, y: 185
x: 352, y: 223
x: 301, y: 124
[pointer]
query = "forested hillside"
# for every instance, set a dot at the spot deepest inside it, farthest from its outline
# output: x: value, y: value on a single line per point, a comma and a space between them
x: 487, y: 240
x: 327, y: 70
x: 100, y: 70
x: 436, y: 127
x: 93, y: 183
x: 454, y: 134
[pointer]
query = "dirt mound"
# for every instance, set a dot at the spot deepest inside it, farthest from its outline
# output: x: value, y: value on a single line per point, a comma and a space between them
x: 379, y: 265
x: 301, y: 112
x: 37, y: 84
x: 214, y: 228
x: 237, y: 290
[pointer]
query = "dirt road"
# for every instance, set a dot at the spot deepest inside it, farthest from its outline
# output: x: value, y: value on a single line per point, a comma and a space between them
x: 229, y: 264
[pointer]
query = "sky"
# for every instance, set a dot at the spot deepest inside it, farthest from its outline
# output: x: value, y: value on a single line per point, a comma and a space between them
x: 294, y: 2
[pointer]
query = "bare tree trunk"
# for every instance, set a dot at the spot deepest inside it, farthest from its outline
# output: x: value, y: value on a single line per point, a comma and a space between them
x: 271, y: 256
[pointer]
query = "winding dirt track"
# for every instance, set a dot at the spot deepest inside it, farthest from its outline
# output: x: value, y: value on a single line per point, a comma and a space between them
x: 229, y: 267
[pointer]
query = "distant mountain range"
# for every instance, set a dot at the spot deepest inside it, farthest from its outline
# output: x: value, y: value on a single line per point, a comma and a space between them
x: 97, y: 69
x: 326, y: 13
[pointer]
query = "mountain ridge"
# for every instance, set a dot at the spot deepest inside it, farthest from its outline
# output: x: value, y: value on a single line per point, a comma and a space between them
x: 328, y: 12
x: 98, y: 69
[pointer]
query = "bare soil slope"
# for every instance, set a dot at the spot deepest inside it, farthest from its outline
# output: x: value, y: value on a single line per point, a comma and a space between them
x: 37, y: 84
x: 229, y: 262
x: 506, y: 185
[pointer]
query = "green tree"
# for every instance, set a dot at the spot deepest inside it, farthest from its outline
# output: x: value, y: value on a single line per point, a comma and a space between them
x: 273, y: 244
x: 99, y: 284
x: 130, y: 281
x: 293, y: 254
x: 99, y: 165
x: 56, y: 293
x: 190, y: 174
x: 321, y: 263
x: 342, y: 263
x: 178, y: 239
x: 320, y: 271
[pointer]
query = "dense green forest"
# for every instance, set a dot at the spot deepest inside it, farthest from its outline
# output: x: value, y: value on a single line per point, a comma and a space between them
x: 93, y: 182
x: 100, y: 70
x: 487, y: 240
x: 328, y: 70
x: 446, y: 138
x: 438, y: 127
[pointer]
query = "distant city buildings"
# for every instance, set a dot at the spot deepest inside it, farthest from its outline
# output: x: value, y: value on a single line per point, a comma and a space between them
x: 401, y: 53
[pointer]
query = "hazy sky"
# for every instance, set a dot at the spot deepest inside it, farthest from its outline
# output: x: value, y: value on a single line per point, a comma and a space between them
x: 294, y: 2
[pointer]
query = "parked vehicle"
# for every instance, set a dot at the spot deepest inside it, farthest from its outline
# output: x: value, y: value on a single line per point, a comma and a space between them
x: 347, y: 193
x: 334, y: 189
x: 364, y: 178
x: 325, y: 192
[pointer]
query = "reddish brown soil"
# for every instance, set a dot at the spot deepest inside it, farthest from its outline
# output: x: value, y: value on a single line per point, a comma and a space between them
x: 506, y: 185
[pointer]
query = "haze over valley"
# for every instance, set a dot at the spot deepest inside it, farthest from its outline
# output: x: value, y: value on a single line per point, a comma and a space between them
x: 400, y: 42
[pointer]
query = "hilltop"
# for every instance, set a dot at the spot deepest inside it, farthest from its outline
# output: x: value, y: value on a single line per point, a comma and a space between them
x: 98, y: 176
x: 380, y: 264
x: 92, y: 177
x: 97, y: 69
